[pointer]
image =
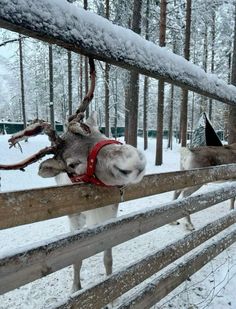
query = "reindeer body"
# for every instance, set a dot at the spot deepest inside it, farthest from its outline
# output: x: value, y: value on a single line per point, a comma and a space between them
x: 204, y: 156
x: 115, y: 164
x: 207, y: 156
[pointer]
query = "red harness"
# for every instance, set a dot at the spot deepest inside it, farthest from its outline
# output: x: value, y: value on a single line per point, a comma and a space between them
x: 90, y: 176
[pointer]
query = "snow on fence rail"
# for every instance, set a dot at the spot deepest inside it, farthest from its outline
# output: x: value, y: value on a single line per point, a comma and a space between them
x: 64, y: 24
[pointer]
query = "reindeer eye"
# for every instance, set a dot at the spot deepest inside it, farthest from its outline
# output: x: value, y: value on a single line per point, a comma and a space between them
x: 124, y: 172
x: 72, y: 165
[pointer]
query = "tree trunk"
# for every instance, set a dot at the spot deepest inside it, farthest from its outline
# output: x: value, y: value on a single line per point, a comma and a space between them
x: 145, y: 89
x: 51, y: 94
x: 192, y: 119
x: 22, y: 82
x: 204, y: 99
x: 133, y: 93
x: 116, y: 106
x: 86, y: 78
x: 226, y: 107
x: 232, y: 109
x: 107, y: 85
x: 213, y: 37
x: 69, y: 83
x: 161, y: 87
x: 170, y: 132
x: 81, y: 78
x: 145, y: 108
x: 184, y: 103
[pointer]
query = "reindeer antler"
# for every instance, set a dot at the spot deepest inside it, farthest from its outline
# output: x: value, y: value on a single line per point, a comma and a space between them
x: 36, y: 128
x: 75, y: 126
x: 32, y: 130
x: 88, y: 97
x: 34, y: 158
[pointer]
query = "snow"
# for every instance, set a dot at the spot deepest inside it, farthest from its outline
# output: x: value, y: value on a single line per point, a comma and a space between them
x: 212, y: 287
x: 97, y: 36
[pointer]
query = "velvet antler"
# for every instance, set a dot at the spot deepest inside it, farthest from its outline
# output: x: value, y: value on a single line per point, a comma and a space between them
x: 88, y: 97
x: 32, y: 130
x: 34, y: 158
x: 75, y: 122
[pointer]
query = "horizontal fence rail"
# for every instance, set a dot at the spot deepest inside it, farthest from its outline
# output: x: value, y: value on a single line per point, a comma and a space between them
x: 66, y: 25
x: 163, y: 285
x: 22, y: 207
x: 122, y: 281
x: 31, y: 264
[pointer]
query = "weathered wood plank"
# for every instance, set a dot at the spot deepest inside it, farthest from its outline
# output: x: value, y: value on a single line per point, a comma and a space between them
x: 22, y: 207
x: 120, y: 282
x: 80, y: 31
x: 164, y: 284
x: 34, y: 263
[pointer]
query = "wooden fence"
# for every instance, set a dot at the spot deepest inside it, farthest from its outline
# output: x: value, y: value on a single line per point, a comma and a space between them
x: 23, y: 207
x: 49, y: 256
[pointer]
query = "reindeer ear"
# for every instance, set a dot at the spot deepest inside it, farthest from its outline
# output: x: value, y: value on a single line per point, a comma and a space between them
x: 50, y: 168
x: 79, y: 128
x: 92, y: 119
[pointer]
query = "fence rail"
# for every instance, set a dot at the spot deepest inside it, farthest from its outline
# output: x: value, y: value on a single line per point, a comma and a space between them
x: 157, y: 289
x: 22, y: 207
x: 120, y: 282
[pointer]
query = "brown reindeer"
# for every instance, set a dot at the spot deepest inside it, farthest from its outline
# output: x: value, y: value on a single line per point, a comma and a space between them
x: 204, y: 156
x: 83, y: 154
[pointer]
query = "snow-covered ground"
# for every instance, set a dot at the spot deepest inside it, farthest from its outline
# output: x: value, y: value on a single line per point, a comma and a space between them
x: 212, y: 287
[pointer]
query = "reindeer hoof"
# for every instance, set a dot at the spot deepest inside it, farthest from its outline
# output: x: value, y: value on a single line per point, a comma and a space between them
x: 189, y: 227
x: 75, y: 288
x: 175, y: 223
x: 108, y: 306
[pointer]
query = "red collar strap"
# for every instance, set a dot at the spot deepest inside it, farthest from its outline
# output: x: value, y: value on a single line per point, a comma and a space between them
x: 90, y: 176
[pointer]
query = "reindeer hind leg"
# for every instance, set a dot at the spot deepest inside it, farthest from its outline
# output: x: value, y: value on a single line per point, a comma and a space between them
x: 189, y: 191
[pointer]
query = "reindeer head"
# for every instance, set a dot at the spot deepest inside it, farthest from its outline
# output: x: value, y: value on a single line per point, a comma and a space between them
x: 115, y: 164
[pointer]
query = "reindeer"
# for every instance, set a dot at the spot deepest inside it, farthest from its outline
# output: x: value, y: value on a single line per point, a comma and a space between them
x: 84, y: 154
x: 204, y: 156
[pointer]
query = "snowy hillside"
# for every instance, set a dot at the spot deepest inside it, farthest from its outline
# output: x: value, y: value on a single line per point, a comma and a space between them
x: 213, y: 287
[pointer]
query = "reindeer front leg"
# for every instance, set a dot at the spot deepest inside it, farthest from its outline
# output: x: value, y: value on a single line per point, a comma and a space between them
x: 77, y: 221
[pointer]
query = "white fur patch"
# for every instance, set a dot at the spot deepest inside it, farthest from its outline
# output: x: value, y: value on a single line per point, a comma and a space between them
x: 185, y: 158
x: 62, y: 179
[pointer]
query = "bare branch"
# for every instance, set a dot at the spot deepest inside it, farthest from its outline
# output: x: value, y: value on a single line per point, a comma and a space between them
x: 12, y: 41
